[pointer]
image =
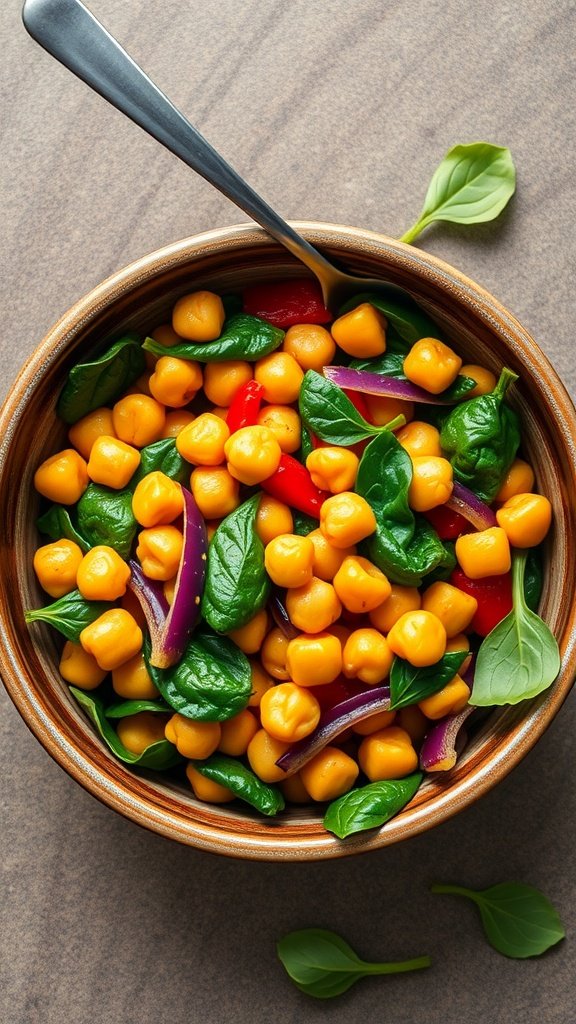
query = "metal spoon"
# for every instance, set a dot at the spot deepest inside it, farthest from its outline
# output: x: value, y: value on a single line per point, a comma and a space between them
x: 67, y: 30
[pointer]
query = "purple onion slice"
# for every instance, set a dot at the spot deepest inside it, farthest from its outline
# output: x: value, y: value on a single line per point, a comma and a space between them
x: 333, y: 722
x: 280, y: 615
x: 441, y: 746
x: 379, y: 384
x: 171, y: 625
x: 467, y: 503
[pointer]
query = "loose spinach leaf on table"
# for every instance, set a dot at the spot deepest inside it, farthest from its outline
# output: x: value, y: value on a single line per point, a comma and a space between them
x: 472, y: 185
x: 56, y: 522
x: 408, y: 684
x: 102, y: 381
x: 244, y: 337
x: 105, y: 517
x: 403, y: 547
x: 323, y: 965
x: 518, y: 920
x: 329, y: 413
x: 245, y: 785
x: 237, y: 584
x: 481, y: 438
x: 520, y: 657
x: 164, y: 457
x: 159, y: 756
x: 211, y: 682
x: 370, y: 806
x: 69, y: 614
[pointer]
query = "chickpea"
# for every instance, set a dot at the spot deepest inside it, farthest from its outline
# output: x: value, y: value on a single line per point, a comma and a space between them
x: 203, y: 442
x: 85, y: 431
x: 137, y: 732
x: 419, y: 637
x: 249, y: 638
x: 346, y: 519
x: 157, y: 500
x: 288, y: 560
x: 431, y: 484
x: 419, y: 438
x: 261, y: 681
x: 333, y: 469
x: 327, y: 558
x: 113, y: 638
x: 432, y: 365
x: 138, y: 420
x: 133, y: 681
x: 380, y: 720
x: 360, y: 585
x: 294, y: 790
x: 284, y: 422
x: 329, y: 774
x: 176, y: 420
x: 222, y: 380
x: 199, y: 316
x: 272, y: 519
x: 448, y: 701
x: 273, y: 656
x: 112, y: 462
x: 280, y: 376
x: 263, y: 752
x: 314, y: 606
x: 56, y: 566
x: 453, y: 607
x: 215, y: 492
x: 525, y: 519
x: 165, y: 334
x: 62, y: 478
x: 387, y: 754
x: 314, y: 660
x: 195, y: 740
x: 367, y: 656
x: 486, y: 553
x: 253, y: 454
x: 485, y: 379
x: 289, y: 712
x: 311, y: 345
x: 361, y: 332
x: 175, y: 382
x: 207, y: 790
x: 237, y: 732
x: 160, y: 551
x: 102, y: 574
x: 401, y: 600
x: 79, y: 668
x: 383, y: 410
x: 518, y: 480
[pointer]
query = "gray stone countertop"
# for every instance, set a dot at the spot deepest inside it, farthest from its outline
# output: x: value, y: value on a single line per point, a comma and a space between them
x: 336, y: 111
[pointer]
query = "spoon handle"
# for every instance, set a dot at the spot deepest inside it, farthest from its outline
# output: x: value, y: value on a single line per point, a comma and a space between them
x: 71, y: 34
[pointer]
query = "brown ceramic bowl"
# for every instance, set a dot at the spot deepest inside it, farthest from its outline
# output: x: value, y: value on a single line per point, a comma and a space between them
x: 139, y: 297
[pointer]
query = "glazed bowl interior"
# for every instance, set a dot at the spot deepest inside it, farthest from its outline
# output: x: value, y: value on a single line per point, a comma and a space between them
x: 140, y: 297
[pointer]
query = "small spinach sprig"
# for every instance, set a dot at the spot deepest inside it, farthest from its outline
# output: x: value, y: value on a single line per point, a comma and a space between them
x: 520, y: 657
x: 244, y: 337
x: 471, y: 185
x: 69, y: 614
x: 329, y: 413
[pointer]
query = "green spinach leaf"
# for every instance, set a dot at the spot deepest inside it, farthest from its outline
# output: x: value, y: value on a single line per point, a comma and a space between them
x: 69, y: 614
x: 473, y: 184
x: 237, y: 584
x: 481, y: 438
x: 125, y: 708
x: 405, y: 316
x: 245, y: 785
x: 370, y: 806
x: 244, y: 337
x: 105, y: 517
x: 403, y: 547
x: 211, y: 682
x: 57, y: 522
x: 303, y: 524
x: 520, y: 657
x: 102, y: 381
x: 408, y: 684
x: 163, y: 457
x: 518, y: 920
x: 323, y: 965
x: 330, y: 414
x: 533, y: 579
x: 159, y: 756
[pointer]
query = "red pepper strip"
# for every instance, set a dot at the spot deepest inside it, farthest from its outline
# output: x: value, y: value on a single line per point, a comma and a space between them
x: 494, y: 596
x: 292, y: 484
x: 447, y: 523
x: 245, y: 406
x: 341, y: 689
x: 283, y: 303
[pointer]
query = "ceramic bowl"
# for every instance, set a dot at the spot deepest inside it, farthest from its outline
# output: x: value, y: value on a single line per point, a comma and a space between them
x: 138, y: 298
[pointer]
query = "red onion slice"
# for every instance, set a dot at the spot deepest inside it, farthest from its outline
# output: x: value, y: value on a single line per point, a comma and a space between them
x: 171, y: 625
x: 333, y: 722
x: 440, y: 748
x: 280, y: 615
x: 470, y: 506
x: 379, y: 384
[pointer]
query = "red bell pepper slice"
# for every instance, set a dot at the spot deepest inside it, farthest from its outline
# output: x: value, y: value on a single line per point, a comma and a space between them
x: 447, y: 523
x: 494, y: 596
x: 292, y: 484
x: 245, y: 406
x: 284, y: 303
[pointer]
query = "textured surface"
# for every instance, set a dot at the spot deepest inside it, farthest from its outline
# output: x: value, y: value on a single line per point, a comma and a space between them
x: 339, y: 112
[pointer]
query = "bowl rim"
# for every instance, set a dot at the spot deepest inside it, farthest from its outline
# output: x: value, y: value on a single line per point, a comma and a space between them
x: 209, y: 835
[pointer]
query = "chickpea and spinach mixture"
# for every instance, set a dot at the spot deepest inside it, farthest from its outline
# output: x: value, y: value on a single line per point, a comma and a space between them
x: 290, y: 554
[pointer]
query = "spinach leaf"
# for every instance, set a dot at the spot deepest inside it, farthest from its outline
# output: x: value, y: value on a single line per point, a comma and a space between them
x: 408, y: 684
x: 520, y: 657
x: 69, y: 614
x: 446, y: 567
x: 303, y: 524
x: 105, y: 517
x: 160, y: 755
x: 306, y: 446
x: 391, y: 364
x: 330, y: 414
x: 533, y: 579
x: 408, y: 319
x: 403, y: 547
x: 458, y: 389
x: 518, y: 920
x: 57, y: 523
x: 370, y: 806
x: 211, y: 682
x: 472, y: 184
x: 237, y: 584
x: 323, y: 965
x: 125, y: 708
x: 162, y: 456
x: 244, y: 337
x: 102, y: 381
x: 481, y: 438
x: 227, y: 771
